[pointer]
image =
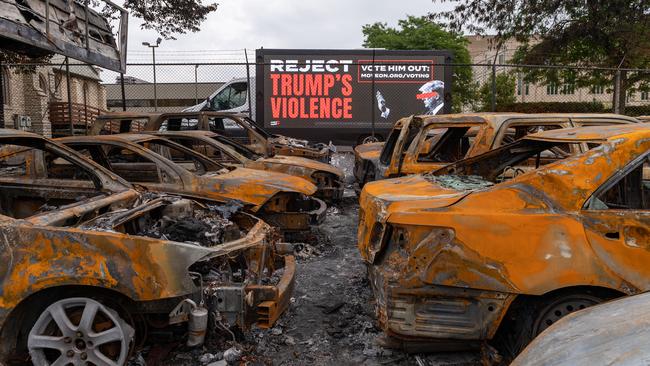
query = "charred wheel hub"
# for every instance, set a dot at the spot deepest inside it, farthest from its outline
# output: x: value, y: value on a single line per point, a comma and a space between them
x: 79, y: 330
x: 561, y: 308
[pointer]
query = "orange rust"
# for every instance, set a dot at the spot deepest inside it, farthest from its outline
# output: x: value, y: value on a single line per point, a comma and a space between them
x: 489, y: 132
x: 532, y: 234
x: 257, y: 190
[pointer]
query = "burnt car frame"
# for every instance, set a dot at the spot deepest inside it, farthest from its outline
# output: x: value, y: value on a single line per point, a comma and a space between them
x: 420, y: 144
x: 82, y: 278
x: 481, y: 251
x: 234, y: 125
x: 328, y: 179
x: 281, y: 200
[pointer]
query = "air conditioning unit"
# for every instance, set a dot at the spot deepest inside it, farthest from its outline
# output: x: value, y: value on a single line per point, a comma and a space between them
x: 23, y: 122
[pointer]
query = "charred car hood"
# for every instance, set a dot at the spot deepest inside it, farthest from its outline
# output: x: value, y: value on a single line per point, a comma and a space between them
x: 251, y: 187
x: 414, y: 188
x: 307, y: 164
x: 370, y: 151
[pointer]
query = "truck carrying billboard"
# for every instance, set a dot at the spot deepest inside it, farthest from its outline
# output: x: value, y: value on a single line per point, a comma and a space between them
x: 341, y: 95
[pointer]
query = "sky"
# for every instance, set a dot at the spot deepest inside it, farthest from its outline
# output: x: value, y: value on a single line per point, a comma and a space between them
x: 239, y: 24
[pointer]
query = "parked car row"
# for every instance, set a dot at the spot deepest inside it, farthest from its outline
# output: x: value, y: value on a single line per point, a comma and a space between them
x: 489, y: 228
x: 110, y: 237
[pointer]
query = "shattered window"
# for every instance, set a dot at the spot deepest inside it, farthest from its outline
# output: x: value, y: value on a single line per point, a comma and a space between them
x: 229, y: 128
x: 35, y: 180
x: 631, y: 192
x: 132, y: 167
x: 115, y: 126
x: 207, y: 150
x: 185, y: 158
x: 179, y: 124
x: 514, y: 132
x: 389, y: 146
x: 447, y: 145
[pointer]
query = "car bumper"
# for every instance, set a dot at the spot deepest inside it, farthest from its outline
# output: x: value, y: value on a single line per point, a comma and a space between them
x: 436, y: 313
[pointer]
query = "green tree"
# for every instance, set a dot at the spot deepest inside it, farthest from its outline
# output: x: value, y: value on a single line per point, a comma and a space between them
x: 505, y: 91
x: 597, y: 33
x: 419, y: 33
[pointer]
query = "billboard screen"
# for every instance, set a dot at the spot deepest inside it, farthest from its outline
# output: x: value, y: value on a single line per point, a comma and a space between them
x: 299, y: 89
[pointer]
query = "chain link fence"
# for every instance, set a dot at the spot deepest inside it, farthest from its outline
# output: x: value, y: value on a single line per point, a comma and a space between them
x: 53, y: 99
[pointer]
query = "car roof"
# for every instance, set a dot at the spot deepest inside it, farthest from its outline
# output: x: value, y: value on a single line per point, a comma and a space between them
x: 124, y: 137
x: 496, y: 119
x: 127, y: 114
x: 10, y: 132
x: 191, y: 133
x: 592, y: 133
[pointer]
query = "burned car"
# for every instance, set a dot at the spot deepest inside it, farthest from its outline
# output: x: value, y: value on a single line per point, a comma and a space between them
x: 327, y: 178
x: 237, y: 126
x: 162, y: 165
x: 500, y: 246
x: 420, y: 144
x: 90, y: 265
x: 614, y: 333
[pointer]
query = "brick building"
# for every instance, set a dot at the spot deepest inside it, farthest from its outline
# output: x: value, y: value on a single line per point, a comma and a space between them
x: 36, y: 98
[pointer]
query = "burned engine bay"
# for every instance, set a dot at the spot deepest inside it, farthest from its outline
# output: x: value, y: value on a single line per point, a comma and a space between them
x: 242, y: 279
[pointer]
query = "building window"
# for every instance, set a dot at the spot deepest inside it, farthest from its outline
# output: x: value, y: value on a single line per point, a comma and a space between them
x: 502, y: 59
x: 568, y: 89
x: 6, y: 90
x: 552, y: 89
x: 597, y: 89
x: 42, y: 83
x: 58, y: 80
x: 525, y: 87
x: 645, y: 95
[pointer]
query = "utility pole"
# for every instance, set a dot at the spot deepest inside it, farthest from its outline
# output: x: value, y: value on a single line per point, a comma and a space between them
x: 155, y: 87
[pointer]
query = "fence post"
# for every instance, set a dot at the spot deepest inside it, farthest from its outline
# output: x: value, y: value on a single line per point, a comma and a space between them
x: 372, y: 96
x: 494, y: 87
x: 2, y: 96
x: 123, y: 92
x: 248, y: 88
x: 67, y: 82
x: 617, y: 92
x: 196, y: 84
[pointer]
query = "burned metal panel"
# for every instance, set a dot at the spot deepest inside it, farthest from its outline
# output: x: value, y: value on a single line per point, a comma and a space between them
x: 66, y: 27
x: 528, y: 235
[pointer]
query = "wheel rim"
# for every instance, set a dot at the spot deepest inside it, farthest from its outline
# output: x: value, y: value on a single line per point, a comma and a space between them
x: 79, y: 331
x: 561, y: 308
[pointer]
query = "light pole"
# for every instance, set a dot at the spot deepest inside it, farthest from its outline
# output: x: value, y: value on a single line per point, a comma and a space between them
x: 153, y: 51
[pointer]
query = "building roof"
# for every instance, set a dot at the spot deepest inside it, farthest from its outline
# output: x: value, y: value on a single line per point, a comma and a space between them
x: 76, y: 69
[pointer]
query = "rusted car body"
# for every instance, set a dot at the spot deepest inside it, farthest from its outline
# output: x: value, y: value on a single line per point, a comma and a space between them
x: 327, y: 178
x: 420, y: 144
x: 87, y: 259
x: 614, y: 333
x: 500, y: 245
x: 237, y: 126
x: 281, y: 200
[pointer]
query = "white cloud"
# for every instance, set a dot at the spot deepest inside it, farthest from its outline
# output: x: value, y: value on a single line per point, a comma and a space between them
x: 239, y: 24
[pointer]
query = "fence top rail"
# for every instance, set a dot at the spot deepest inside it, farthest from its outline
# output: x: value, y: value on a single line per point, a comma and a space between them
x: 377, y: 62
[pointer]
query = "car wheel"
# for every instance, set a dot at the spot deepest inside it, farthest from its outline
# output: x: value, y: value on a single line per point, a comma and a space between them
x: 79, y: 331
x: 532, y: 317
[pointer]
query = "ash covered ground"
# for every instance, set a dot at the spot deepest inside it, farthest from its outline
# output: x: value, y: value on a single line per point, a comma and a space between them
x: 331, y: 318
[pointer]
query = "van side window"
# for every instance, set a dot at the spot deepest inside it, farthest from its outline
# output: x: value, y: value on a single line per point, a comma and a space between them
x: 232, y: 96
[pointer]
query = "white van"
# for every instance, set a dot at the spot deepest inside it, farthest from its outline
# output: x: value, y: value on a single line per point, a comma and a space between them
x: 233, y: 96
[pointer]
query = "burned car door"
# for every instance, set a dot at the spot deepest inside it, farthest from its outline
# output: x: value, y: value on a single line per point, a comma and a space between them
x: 617, y: 223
